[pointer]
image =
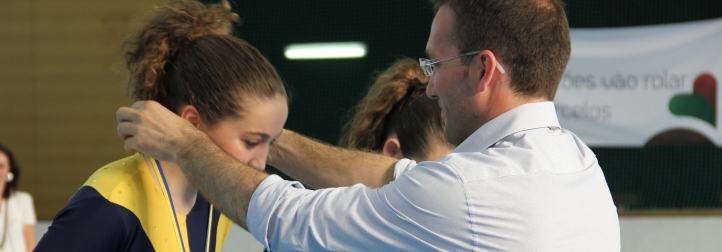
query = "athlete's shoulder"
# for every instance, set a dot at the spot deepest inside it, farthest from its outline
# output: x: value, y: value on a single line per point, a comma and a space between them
x: 90, y: 222
x: 22, y: 195
x: 125, y: 171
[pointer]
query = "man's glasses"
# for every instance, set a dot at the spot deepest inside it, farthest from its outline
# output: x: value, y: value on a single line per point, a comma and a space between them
x: 429, y: 65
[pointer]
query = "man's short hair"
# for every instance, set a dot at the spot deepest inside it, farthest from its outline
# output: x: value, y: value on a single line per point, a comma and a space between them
x: 530, y: 37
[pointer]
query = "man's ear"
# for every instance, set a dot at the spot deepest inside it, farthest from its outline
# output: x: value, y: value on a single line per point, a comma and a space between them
x: 190, y: 113
x: 486, y: 70
x: 392, y: 147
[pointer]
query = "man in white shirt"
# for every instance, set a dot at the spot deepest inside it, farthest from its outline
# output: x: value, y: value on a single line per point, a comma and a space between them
x: 517, y: 181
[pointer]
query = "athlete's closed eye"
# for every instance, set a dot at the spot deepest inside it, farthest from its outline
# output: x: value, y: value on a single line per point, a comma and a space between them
x: 252, y: 143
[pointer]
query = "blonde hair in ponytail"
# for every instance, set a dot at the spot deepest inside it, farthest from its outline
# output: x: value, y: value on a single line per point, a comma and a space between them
x: 396, y: 103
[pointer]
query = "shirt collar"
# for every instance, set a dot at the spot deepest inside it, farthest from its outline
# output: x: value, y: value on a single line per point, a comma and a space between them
x: 524, y: 117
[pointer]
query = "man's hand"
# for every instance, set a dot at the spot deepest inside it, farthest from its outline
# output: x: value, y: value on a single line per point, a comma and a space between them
x: 150, y: 128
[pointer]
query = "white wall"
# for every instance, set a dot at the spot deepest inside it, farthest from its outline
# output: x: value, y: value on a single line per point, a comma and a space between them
x: 684, y: 233
x: 639, y: 234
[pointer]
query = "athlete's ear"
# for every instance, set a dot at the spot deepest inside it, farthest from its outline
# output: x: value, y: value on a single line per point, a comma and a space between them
x: 191, y: 114
x: 392, y: 147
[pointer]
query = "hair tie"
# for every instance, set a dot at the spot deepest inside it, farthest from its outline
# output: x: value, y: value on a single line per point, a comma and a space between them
x: 419, y: 85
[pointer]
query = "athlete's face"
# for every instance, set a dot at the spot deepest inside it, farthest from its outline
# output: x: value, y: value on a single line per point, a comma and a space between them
x: 247, y: 138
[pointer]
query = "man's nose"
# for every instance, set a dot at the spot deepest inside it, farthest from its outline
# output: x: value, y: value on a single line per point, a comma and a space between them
x: 431, y: 89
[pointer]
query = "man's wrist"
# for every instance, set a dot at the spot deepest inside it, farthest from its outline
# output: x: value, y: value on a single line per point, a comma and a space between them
x: 275, y: 152
x: 188, y: 144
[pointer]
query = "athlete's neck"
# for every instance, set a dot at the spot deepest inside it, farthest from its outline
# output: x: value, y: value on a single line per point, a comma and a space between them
x: 181, y: 190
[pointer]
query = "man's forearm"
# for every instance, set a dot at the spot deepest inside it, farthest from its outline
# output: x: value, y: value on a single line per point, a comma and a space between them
x: 321, y: 166
x: 224, y: 181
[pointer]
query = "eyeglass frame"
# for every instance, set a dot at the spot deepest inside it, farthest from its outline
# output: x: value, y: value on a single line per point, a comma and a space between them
x: 428, y: 65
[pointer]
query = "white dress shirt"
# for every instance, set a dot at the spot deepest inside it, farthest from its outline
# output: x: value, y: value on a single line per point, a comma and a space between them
x: 519, y: 183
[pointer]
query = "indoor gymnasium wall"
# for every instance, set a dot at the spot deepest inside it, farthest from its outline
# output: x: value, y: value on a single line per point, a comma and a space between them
x: 61, y: 80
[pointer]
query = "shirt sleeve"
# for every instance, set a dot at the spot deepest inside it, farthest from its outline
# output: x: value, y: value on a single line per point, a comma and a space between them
x: 410, y: 212
x: 89, y: 222
x: 402, y: 166
x: 26, y: 204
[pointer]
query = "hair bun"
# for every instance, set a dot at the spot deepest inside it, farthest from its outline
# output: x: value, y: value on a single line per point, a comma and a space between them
x: 166, y: 31
x: 186, y: 21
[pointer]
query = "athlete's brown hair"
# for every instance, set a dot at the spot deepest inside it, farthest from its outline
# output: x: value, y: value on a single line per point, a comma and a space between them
x: 184, y: 54
x: 397, y: 104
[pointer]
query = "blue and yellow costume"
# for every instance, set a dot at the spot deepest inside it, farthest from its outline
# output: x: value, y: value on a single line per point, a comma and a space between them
x: 121, y: 208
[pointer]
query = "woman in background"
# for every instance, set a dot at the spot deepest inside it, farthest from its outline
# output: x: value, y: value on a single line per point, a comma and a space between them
x: 396, y: 118
x: 17, y: 216
x: 184, y: 58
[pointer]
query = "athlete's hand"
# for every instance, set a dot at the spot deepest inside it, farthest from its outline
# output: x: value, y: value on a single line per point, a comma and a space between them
x: 150, y: 128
